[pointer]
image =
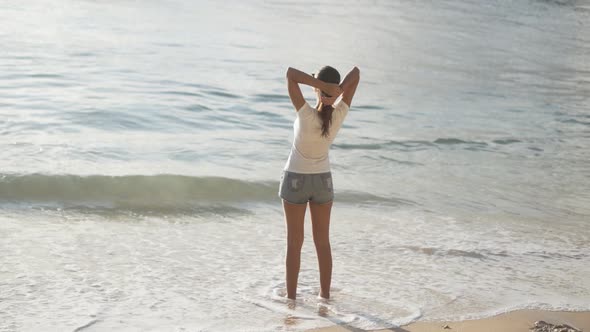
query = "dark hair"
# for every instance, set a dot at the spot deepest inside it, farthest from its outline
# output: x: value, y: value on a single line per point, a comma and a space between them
x: 329, y: 75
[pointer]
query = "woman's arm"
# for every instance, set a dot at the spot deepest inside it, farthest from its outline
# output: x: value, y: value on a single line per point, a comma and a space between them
x: 349, y: 85
x: 296, y: 77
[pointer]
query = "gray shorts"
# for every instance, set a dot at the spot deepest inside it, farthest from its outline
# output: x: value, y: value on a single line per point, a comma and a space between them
x: 297, y: 188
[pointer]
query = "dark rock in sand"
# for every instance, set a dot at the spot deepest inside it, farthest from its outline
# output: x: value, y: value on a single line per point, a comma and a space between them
x: 542, y: 326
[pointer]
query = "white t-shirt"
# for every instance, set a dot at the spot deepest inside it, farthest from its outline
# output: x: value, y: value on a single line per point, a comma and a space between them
x: 309, y: 153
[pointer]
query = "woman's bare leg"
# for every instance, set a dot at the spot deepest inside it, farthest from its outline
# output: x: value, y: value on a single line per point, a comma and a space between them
x: 294, y: 218
x: 320, y: 220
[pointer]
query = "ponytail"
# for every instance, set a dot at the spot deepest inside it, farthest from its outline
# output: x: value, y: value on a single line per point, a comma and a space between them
x: 326, y: 116
x: 329, y: 75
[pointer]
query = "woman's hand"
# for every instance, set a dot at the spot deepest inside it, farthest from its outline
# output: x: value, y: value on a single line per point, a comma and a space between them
x: 332, y: 90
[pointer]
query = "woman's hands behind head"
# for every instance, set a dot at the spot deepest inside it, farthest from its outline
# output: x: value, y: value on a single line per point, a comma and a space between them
x: 332, y: 90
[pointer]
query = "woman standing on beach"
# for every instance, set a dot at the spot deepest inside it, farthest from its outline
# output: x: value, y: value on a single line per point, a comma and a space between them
x: 307, y: 177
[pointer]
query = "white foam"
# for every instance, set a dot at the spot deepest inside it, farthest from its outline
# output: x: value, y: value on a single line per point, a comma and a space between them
x: 129, y: 272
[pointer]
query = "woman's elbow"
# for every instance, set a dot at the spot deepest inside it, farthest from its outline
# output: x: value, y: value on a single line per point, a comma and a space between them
x: 289, y: 72
x: 357, y: 73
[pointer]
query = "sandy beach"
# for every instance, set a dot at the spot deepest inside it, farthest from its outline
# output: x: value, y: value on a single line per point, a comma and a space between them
x: 516, y: 321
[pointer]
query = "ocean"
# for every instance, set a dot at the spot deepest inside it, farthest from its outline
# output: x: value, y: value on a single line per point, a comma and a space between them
x: 142, y: 143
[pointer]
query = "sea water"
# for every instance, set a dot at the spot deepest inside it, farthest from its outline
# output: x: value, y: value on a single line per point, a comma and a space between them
x: 141, y: 146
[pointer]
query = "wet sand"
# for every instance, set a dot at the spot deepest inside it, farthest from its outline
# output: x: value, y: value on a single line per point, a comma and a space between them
x: 516, y: 321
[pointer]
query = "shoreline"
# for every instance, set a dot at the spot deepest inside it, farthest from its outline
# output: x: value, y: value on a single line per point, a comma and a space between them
x: 513, y: 321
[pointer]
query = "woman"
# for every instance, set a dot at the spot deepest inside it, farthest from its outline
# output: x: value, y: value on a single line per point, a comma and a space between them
x: 306, y: 177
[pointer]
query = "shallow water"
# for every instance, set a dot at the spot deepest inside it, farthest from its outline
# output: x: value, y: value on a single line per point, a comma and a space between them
x: 141, y: 148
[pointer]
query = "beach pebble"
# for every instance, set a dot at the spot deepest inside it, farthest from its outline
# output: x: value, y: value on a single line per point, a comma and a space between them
x: 446, y: 327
